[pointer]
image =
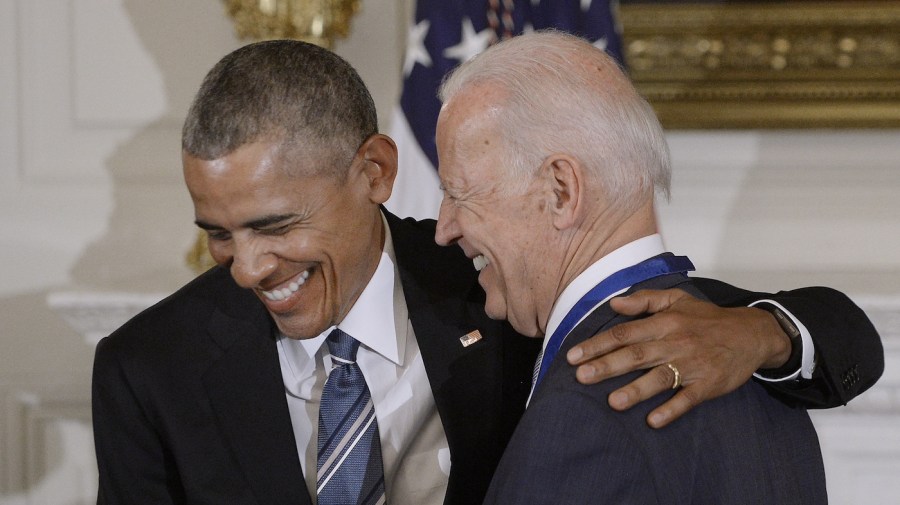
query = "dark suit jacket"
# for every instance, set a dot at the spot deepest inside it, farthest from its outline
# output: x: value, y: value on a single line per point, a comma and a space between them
x: 572, y: 448
x: 189, y: 404
x: 850, y: 357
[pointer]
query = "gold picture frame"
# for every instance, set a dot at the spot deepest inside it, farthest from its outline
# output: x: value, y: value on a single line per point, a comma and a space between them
x: 318, y: 22
x: 791, y: 64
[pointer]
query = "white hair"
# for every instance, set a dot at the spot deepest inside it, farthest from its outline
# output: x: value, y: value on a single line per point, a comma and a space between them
x: 563, y: 95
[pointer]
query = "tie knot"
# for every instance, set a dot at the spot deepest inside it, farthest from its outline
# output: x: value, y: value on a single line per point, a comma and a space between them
x: 343, y: 347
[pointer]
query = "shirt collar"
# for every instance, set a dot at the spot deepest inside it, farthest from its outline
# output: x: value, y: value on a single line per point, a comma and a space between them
x: 371, y: 319
x: 629, y: 254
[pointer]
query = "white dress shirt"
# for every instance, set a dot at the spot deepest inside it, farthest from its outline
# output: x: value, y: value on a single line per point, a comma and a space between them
x: 413, y: 443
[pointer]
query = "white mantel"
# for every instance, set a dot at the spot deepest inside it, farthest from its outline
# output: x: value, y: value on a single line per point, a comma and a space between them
x: 97, y: 314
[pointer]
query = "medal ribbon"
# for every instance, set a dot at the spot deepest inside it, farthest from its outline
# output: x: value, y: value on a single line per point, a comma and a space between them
x: 654, y: 267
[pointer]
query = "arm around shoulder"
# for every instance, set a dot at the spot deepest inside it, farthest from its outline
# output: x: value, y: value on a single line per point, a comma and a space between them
x: 848, y: 349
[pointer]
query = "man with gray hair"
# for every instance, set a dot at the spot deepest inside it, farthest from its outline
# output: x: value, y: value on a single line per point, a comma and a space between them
x: 549, y: 161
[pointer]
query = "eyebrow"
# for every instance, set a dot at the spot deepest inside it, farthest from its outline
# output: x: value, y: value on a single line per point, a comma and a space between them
x: 255, y: 224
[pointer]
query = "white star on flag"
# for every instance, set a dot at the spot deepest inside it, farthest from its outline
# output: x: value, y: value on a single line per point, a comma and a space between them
x: 415, y: 47
x: 471, y: 44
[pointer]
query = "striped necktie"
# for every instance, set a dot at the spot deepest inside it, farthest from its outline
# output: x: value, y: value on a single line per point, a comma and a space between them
x: 349, y: 465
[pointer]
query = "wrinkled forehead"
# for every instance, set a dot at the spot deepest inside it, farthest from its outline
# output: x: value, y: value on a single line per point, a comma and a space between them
x: 468, y: 126
x: 297, y: 158
x: 248, y: 187
x: 484, y: 99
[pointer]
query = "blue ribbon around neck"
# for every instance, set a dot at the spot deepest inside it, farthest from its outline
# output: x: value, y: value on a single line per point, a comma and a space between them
x: 654, y: 267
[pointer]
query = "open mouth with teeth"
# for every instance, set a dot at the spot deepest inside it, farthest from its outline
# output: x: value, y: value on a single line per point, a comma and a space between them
x: 480, y: 262
x: 285, y: 292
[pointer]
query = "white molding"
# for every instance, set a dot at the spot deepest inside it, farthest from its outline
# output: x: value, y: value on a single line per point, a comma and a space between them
x: 57, y: 145
x: 9, y: 94
x: 104, y: 38
x: 97, y: 314
x: 46, y: 439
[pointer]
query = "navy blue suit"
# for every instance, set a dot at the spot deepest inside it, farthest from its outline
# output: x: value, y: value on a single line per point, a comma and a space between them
x: 571, y: 448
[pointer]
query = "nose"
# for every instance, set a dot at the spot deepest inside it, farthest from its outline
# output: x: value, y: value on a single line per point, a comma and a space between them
x: 252, y: 263
x: 447, y: 229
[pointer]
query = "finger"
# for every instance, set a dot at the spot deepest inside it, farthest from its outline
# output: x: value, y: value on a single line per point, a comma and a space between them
x: 650, y: 384
x: 686, y: 399
x: 647, y: 301
x: 618, y: 337
x: 639, y: 356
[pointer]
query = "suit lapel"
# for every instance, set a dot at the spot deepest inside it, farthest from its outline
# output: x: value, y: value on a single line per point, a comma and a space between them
x: 442, y: 309
x: 246, y: 391
x: 476, y: 405
x: 459, y: 375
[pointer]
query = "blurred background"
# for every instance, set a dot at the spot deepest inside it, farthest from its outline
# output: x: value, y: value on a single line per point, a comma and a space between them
x: 773, y: 188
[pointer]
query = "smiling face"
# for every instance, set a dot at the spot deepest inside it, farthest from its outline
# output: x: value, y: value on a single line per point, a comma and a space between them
x: 505, y: 233
x: 307, y: 245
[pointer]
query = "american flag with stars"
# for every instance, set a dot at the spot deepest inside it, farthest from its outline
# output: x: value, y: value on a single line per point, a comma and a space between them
x: 446, y: 33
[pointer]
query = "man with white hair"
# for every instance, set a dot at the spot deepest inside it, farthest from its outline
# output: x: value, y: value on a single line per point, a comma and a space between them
x: 549, y: 162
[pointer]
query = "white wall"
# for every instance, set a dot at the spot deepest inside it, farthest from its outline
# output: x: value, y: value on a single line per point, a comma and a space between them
x: 799, y: 205
x: 92, y: 94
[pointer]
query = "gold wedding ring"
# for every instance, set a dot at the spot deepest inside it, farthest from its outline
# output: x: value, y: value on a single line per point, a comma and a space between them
x: 677, y: 383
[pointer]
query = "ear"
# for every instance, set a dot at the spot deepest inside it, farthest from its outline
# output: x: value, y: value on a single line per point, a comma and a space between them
x: 379, y: 158
x: 566, y: 178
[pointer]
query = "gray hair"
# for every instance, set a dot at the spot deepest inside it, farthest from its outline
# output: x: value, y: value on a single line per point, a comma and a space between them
x: 564, y: 95
x: 299, y: 94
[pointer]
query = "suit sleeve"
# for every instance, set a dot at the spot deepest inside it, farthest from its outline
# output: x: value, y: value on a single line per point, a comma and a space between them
x: 849, y: 354
x: 132, y: 462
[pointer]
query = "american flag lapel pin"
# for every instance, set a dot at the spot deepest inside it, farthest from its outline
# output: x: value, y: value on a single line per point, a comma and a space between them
x: 470, y: 338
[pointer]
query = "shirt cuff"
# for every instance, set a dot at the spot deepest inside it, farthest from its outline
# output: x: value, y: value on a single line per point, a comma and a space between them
x: 807, y: 358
